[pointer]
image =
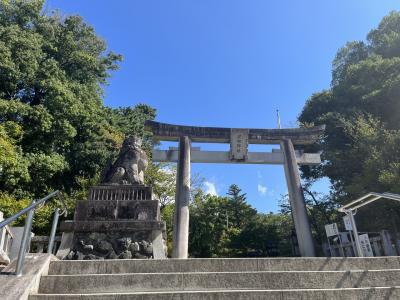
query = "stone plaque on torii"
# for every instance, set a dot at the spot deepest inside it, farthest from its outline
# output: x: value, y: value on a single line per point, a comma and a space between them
x: 239, y: 139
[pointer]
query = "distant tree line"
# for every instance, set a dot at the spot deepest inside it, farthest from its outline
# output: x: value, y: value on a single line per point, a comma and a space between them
x: 229, y: 227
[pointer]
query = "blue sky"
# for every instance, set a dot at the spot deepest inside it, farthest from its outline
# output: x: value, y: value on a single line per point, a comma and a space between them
x: 227, y: 63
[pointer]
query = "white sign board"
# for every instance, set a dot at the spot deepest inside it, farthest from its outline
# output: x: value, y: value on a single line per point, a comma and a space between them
x: 331, y: 230
x: 347, y: 223
x: 365, y: 245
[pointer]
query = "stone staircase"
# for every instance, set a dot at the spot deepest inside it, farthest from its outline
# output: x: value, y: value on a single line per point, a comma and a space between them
x: 276, y: 278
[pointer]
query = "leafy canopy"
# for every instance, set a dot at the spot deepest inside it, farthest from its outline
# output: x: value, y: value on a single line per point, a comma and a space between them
x: 55, y: 132
x: 362, y: 114
x: 230, y: 227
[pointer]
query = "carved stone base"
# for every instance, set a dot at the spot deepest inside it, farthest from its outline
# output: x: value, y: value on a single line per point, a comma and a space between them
x: 111, y: 246
x: 116, y: 222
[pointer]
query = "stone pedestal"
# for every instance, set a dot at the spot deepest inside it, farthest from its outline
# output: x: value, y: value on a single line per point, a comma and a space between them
x: 117, y: 221
x: 17, y: 233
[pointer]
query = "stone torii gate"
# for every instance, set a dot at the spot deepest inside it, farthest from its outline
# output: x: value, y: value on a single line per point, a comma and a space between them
x: 239, y: 139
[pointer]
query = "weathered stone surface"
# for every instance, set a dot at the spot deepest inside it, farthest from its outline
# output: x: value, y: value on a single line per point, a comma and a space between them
x: 182, y: 198
x: 19, y: 287
x: 297, y: 201
x: 223, y: 265
x: 159, y: 245
x: 67, y: 242
x: 118, y: 213
x: 114, y: 218
x: 107, y: 226
x: 201, y: 279
x: 385, y: 293
x: 120, y: 192
x: 4, y: 240
x: 146, y: 210
x: 299, y: 136
x: 216, y: 280
x: 122, y: 245
x: 104, y: 247
x: 130, y: 165
x: 17, y: 232
x: 224, y: 157
x: 4, y: 259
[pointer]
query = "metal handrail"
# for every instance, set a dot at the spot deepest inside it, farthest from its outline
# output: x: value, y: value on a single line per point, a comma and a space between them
x: 30, y: 210
x: 362, y: 201
x: 350, y: 209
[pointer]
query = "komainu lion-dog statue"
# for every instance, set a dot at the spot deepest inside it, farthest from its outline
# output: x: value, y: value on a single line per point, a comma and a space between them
x: 130, y: 165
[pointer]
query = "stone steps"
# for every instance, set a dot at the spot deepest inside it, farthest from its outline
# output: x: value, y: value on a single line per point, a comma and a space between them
x: 271, y: 280
x: 342, y: 294
x: 254, y: 278
x: 222, y: 265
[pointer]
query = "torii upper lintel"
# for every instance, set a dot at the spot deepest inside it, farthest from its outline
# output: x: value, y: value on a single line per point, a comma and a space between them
x: 170, y: 132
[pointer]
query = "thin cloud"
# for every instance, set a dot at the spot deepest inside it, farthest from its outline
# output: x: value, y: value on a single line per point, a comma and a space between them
x: 262, y: 190
x: 210, y: 188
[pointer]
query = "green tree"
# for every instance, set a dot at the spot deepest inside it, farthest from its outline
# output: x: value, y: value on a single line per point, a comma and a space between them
x: 52, y: 70
x: 265, y: 235
x: 240, y: 211
x: 362, y: 114
x: 214, y: 231
x: 130, y: 120
x: 208, y: 226
x: 162, y: 178
x: 321, y: 209
x: 55, y: 132
x: 167, y: 215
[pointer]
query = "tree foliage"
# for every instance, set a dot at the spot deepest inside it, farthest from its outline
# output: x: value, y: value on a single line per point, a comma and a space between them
x: 51, y: 74
x: 162, y: 178
x: 241, y: 211
x: 55, y: 132
x: 230, y: 227
x: 362, y: 114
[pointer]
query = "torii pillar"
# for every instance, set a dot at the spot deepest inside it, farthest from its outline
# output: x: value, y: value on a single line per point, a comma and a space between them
x: 182, y: 198
x: 297, y: 201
